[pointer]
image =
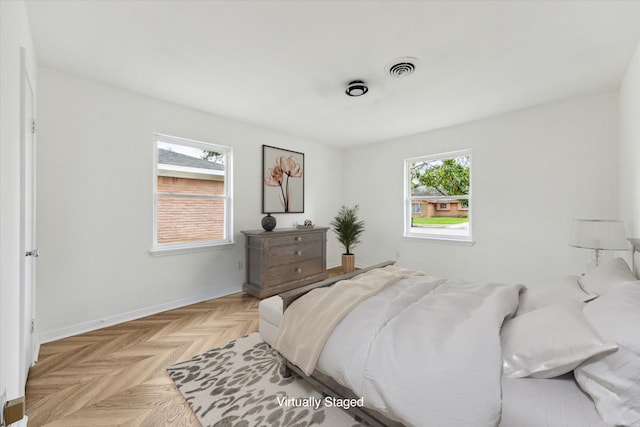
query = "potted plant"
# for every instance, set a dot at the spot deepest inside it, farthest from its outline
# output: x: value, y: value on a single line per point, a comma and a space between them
x: 348, y: 229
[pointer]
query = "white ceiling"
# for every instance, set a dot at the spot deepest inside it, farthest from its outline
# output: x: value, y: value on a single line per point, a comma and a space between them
x: 284, y: 65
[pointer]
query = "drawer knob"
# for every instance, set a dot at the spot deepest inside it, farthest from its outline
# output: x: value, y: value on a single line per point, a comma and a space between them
x: 298, y: 253
x: 298, y: 270
x: 298, y: 238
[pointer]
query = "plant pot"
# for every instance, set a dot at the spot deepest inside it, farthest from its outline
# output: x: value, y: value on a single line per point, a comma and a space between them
x: 348, y: 263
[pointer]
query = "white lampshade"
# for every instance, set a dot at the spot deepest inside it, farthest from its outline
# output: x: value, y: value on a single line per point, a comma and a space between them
x: 598, y: 234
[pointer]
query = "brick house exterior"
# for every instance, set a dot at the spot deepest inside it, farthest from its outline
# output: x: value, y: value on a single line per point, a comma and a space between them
x: 182, y: 219
x: 438, y: 208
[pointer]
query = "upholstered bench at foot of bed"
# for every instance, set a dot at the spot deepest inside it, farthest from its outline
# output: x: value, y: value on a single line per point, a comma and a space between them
x: 270, y: 311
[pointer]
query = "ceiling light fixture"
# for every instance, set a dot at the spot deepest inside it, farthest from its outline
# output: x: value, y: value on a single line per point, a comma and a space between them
x: 356, y: 88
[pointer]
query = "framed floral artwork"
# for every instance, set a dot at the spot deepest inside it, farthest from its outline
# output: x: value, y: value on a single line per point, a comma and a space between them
x: 282, y: 180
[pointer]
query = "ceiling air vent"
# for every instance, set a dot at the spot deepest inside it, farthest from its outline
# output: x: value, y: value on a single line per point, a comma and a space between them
x: 402, y: 68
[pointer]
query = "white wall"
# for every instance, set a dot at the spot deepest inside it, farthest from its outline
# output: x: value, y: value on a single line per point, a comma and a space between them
x: 95, y: 181
x: 629, y: 173
x: 14, y: 34
x: 533, y: 171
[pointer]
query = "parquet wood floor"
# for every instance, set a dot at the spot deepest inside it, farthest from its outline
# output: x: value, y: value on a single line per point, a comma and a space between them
x: 117, y: 376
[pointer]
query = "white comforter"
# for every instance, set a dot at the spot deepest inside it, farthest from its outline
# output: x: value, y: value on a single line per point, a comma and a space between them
x: 425, y: 351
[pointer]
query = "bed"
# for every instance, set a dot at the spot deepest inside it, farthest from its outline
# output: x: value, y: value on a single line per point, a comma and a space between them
x: 562, y: 353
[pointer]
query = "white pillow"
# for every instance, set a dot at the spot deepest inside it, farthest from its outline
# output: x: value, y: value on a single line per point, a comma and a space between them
x: 552, y: 291
x: 549, y: 341
x: 613, y: 380
x: 607, y: 276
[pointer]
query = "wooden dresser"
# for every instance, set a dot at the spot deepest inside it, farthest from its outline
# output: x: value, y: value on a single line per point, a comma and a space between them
x: 284, y: 259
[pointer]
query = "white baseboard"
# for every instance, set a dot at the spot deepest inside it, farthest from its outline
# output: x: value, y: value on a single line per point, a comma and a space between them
x: 358, y: 265
x: 68, y: 331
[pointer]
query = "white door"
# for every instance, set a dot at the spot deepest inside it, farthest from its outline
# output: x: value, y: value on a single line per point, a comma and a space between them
x: 28, y: 347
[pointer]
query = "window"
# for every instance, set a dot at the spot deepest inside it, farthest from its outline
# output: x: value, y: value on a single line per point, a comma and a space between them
x: 192, y: 203
x: 441, y: 185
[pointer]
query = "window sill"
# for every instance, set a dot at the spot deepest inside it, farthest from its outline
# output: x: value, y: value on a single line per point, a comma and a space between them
x: 441, y: 239
x: 186, y: 249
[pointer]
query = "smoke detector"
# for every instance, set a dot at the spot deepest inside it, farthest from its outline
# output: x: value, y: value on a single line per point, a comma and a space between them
x: 402, y: 67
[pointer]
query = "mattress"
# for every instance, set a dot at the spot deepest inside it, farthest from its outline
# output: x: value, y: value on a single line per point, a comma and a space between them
x: 554, y: 402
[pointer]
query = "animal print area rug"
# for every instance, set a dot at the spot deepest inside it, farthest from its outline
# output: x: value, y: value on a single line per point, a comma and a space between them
x: 240, y: 384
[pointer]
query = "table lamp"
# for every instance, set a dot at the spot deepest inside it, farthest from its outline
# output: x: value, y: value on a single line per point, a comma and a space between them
x: 599, y: 235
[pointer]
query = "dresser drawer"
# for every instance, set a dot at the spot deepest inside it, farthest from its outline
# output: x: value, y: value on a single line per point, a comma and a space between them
x: 280, y: 274
x: 293, y: 253
x: 292, y: 239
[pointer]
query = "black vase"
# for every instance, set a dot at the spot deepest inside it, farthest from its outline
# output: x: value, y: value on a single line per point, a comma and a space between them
x: 268, y: 222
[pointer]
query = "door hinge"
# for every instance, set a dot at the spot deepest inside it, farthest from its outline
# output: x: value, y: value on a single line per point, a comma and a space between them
x: 33, y: 126
x: 33, y: 325
x: 33, y: 252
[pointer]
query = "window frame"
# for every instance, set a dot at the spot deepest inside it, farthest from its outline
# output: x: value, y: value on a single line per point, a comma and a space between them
x: 227, y: 197
x: 408, y: 199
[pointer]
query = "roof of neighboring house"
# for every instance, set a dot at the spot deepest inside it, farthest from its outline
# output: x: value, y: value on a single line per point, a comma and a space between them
x: 428, y: 193
x: 167, y: 157
x: 436, y: 201
x: 424, y: 191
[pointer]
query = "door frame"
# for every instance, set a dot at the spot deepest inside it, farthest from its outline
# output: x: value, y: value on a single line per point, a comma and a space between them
x: 29, y: 344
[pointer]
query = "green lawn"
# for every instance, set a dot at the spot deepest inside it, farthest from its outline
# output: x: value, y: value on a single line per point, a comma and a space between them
x: 439, y: 220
